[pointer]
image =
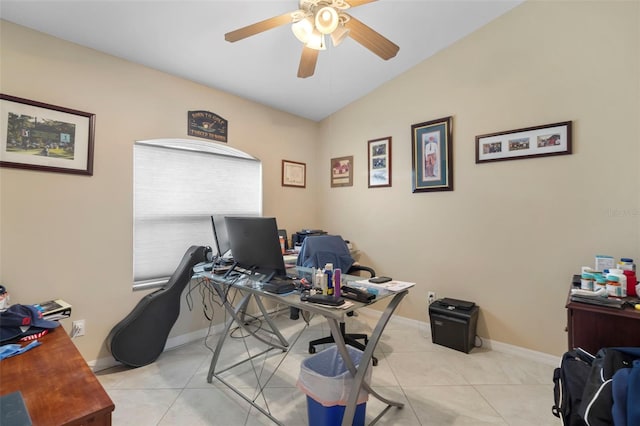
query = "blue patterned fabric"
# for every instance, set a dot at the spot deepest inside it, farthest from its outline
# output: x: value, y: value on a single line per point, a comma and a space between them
x: 317, y: 251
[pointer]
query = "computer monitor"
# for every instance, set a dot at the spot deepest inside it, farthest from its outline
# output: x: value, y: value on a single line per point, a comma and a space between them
x: 256, y: 246
x: 220, y: 235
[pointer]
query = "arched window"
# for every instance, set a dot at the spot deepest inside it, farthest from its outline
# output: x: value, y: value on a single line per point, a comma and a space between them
x: 178, y: 185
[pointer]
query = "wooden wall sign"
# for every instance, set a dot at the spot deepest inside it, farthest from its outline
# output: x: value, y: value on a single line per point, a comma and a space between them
x: 208, y: 125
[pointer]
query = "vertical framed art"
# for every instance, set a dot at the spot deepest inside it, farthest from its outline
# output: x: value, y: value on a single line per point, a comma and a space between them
x: 432, y: 155
x: 379, y: 154
x: 342, y: 171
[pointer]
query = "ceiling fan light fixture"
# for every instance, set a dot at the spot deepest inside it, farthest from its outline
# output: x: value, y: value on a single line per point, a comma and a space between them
x: 303, y: 29
x: 326, y: 20
x: 339, y: 34
x: 316, y: 41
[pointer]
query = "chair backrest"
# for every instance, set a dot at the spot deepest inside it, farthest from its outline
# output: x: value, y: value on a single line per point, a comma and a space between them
x: 317, y: 251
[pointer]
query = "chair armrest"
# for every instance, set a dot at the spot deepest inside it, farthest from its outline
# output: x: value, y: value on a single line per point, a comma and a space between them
x: 357, y: 267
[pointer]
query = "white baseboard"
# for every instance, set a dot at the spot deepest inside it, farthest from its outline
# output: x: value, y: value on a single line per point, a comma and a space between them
x: 172, y: 342
x: 494, y: 345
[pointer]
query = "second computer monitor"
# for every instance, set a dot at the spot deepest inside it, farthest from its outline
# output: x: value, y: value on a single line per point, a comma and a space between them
x: 220, y: 234
x: 255, y: 245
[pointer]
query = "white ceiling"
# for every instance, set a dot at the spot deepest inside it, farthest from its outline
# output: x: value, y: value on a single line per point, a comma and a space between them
x: 186, y: 38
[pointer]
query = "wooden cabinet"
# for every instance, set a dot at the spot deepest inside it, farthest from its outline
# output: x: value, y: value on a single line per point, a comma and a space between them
x: 592, y: 327
x: 57, y: 385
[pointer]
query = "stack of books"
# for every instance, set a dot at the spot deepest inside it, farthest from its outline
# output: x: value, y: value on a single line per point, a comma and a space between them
x: 54, y: 310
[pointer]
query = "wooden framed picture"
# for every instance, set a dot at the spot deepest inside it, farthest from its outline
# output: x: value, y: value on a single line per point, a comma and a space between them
x: 342, y: 171
x: 432, y: 155
x: 39, y: 136
x: 294, y: 174
x: 379, y: 154
x: 539, y: 141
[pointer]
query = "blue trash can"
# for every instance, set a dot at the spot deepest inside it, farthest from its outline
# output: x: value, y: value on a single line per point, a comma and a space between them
x: 327, y: 382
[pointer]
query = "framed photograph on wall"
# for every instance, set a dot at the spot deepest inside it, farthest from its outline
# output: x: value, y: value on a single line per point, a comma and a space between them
x: 379, y: 162
x: 39, y: 136
x: 342, y: 171
x: 294, y: 174
x: 539, y: 141
x: 432, y: 155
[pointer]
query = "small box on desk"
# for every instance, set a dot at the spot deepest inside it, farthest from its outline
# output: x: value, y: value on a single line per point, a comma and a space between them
x: 453, y: 323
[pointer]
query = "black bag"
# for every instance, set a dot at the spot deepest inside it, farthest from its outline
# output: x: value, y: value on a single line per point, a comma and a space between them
x: 568, y: 386
x: 597, y: 399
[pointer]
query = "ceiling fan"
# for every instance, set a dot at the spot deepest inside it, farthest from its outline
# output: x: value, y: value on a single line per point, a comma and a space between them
x: 312, y: 21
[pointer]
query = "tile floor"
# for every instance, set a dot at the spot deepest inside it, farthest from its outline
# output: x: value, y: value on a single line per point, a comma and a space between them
x: 439, y: 386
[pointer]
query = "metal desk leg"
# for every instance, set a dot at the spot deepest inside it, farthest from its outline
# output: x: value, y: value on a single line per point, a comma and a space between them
x: 273, y: 327
x: 237, y: 315
x: 225, y: 333
x: 359, y: 373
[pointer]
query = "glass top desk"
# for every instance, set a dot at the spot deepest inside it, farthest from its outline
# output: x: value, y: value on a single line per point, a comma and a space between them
x: 250, y: 289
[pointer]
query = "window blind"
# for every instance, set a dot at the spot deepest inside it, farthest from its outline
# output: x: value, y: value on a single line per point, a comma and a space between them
x: 178, y: 185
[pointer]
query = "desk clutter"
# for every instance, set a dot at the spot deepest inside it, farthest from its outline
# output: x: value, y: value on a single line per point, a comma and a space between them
x: 608, y: 283
x: 26, y: 323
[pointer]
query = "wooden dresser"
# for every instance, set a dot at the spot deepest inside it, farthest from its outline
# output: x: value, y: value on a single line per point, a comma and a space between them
x: 57, y: 385
x: 592, y: 327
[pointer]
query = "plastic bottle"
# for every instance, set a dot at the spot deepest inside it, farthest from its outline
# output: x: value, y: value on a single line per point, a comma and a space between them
x: 282, y: 244
x: 613, y: 286
x: 320, y: 281
x: 622, y: 278
x: 626, y: 264
x: 600, y: 283
x: 328, y: 270
x: 587, y: 281
x: 632, y: 282
x: 337, y: 282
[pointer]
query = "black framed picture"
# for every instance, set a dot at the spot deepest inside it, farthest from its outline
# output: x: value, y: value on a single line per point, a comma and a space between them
x: 432, y: 155
x: 379, y: 154
x: 530, y: 142
x: 39, y: 136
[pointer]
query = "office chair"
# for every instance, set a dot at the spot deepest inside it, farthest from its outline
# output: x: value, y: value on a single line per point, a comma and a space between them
x: 317, y: 251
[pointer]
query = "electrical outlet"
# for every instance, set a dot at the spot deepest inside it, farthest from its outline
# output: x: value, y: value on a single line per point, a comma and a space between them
x: 77, y: 328
x: 431, y: 297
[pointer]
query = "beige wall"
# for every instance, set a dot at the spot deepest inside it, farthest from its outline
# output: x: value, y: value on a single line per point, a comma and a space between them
x: 512, y: 233
x: 70, y: 237
x: 508, y: 237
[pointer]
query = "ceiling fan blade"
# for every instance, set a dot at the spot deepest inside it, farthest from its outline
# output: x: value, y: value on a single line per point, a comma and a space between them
x: 371, y: 39
x: 258, y: 27
x: 354, y: 3
x: 307, y: 62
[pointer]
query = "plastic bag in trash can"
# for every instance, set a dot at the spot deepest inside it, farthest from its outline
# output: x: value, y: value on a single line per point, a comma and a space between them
x: 324, y: 377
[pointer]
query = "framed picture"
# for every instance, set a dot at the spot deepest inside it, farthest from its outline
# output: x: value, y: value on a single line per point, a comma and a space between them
x: 342, y: 171
x: 539, y: 141
x: 39, y: 136
x: 294, y: 174
x: 432, y: 155
x: 380, y: 162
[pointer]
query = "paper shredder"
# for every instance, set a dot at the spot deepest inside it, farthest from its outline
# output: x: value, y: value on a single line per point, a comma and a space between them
x: 453, y: 323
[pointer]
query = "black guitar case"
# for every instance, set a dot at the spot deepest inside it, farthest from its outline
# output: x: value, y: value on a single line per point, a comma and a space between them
x: 140, y: 337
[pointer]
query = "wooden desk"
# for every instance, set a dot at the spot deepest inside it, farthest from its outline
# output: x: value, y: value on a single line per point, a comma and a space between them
x: 57, y: 385
x: 592, y: 327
